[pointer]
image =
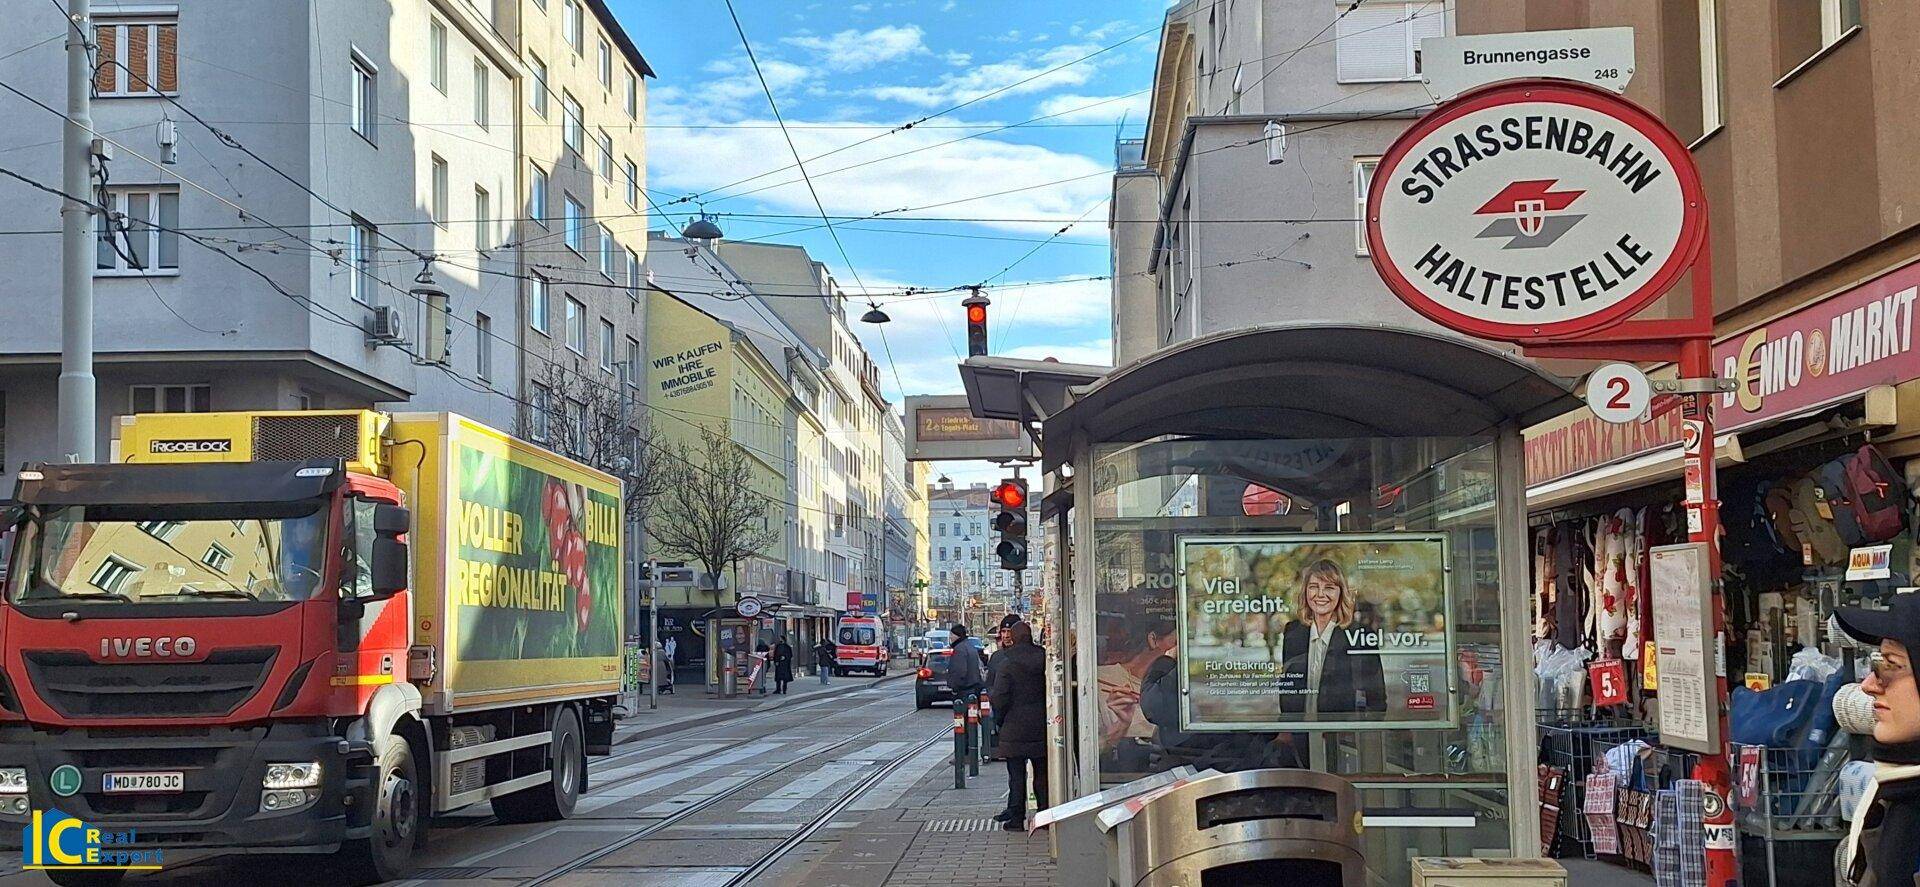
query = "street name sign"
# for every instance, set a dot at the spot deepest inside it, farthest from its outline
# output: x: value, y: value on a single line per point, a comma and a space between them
x: 1534, y: 210
x: 1603, y: 57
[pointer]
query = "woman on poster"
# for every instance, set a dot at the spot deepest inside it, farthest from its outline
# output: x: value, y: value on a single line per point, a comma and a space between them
x: 1324, y: 672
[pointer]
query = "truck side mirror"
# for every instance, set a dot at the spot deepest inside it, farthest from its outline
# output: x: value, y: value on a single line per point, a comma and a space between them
x: 392, y: 569
x: 10, y: 514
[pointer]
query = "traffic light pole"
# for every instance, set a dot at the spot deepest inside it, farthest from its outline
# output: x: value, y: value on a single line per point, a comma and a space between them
x: 653, y: 635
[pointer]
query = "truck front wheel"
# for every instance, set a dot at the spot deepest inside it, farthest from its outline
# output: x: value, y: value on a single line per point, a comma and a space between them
x: 553, y: 800
x: 387, y: 853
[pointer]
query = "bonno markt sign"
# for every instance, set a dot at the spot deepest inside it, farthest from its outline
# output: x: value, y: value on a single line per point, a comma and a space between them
x: 1534, y: 209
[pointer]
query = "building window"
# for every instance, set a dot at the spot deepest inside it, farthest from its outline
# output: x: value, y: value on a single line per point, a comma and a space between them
x: 1837, y: 17
x: 112, y: 574
x: 537, y: 196
x: 1363, y: 168
x: 538, y: 99
x: 573, y: 27
x: 633, y: 96
x: 360, y: 249
x: 606, y: 64
x: 480, y: 90
x: 609, y: 254
x: 575, y: 224
x: 606, y: 157
x: 633, y: 273
x: 437, y: 54
x: 537, y: 412
x: 607, y: 345
x: 139, y: 237
x: 539, y: 311
x: 218, y: 559
x: 630, y: 371
x: 163, y: 530
x: 633, y: 184
x: 482, y: 219
x: 169, y: 398
x: 137, y: 56
x: 576, y: 426
x: 438, y: 206
x: 364, y: 96
x: 1710, y: 82
x: 483, y: 347
x: 1381, y: 41
x: 576, y: 326
x: 574, y: 129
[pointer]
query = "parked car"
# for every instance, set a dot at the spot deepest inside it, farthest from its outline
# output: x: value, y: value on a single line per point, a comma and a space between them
x: 930, y: 683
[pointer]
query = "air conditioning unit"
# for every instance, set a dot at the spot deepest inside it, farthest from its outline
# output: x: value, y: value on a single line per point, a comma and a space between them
x: 386, y: 326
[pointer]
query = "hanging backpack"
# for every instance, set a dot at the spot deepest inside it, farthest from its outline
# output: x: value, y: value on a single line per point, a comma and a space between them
x: 1837, y: 496
x: 1811, y: 527
x: 1879, y: 494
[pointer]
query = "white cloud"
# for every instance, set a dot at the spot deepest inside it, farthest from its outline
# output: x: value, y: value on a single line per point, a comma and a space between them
x: 866, y: 179
x: 953, y: 57
x: 949, y: 6
x: 736, y: 90
x: 1070, y: 108
x: 855, y: 50
x: 1031, y: 69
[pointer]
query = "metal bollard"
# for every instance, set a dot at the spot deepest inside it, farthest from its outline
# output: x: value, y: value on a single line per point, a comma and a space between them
x: 987, y: 728
x: 959, y: 743
x: 973, y: 735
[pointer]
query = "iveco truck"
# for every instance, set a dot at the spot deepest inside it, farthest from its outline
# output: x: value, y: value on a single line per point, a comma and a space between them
x: 306, y: 632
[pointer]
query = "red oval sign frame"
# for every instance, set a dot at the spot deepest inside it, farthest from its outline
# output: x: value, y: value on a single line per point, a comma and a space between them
x: 1693, y: 225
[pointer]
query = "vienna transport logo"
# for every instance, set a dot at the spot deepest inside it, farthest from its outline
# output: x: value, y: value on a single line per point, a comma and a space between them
x: 56, y: 840
x: 1529, y: 213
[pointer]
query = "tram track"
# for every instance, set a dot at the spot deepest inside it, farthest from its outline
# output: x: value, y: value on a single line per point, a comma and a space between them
x: 767, y: 860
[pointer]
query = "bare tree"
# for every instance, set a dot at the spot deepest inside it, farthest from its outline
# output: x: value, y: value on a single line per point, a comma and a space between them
x: 709, y: 511
x: 599, y: 421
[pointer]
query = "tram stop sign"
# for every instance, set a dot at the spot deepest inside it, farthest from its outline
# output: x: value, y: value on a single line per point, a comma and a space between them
x: 1534, y: 210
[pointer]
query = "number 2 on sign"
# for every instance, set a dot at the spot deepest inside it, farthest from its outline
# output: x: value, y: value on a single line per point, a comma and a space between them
x: 1620, y: 388
x: 1609, y: 679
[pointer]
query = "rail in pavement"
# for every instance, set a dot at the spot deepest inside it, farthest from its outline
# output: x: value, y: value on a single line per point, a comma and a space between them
x: 650, y: 724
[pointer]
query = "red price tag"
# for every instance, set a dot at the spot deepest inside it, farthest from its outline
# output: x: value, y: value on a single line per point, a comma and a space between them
x: 1609, y: 679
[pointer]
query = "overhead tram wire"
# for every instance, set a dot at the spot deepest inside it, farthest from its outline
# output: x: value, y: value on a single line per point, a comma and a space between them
x: 918, y: 121
x: 1014, y: 314
x: 1284, y: 55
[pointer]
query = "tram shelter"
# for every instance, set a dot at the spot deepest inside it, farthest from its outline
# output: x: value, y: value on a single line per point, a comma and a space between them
x: 1296, y: 545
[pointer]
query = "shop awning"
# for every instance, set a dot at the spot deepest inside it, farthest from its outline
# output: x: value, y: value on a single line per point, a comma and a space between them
x: 1313, y: 380
x: 1875, y: 407
x: 1649, y: 468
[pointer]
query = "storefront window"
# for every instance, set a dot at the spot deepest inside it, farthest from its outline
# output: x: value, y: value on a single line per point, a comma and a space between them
x: 1340, y: 612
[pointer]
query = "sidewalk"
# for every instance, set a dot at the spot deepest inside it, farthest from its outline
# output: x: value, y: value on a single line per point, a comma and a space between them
x: 691, y: 705
x: 935, y: 834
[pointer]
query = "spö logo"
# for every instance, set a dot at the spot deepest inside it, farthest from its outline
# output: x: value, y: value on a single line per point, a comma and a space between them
x: 56, y: 840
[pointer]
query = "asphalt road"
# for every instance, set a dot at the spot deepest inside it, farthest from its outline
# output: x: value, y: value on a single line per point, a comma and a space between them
x: 751, y: 800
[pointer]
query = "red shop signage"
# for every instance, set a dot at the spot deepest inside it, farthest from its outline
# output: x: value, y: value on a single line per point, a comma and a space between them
x: 1818, y: 355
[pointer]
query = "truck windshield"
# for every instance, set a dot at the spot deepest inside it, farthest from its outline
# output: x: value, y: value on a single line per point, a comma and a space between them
x: 81, y: 554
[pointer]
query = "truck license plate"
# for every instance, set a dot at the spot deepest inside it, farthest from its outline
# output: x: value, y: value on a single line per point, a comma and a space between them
x: 131, y: 783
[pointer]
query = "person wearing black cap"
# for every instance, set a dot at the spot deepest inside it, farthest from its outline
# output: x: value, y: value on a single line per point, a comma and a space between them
x: 1884, y: 847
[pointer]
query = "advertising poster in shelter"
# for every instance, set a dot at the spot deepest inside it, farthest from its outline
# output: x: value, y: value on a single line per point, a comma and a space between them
x: 1305, y: 632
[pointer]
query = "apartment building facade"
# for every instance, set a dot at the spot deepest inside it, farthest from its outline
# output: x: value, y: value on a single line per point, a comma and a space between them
x: 1240, y: 203
x: 222, y: 284
x: 581, y: 226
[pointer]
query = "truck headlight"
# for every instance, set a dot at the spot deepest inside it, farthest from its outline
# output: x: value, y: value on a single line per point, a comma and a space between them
x: 13, y: 780
x: 304, y: 774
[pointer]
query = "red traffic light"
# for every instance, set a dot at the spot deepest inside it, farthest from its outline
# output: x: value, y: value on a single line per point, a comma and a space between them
x: 1010, y: 494
x: 976, y: 314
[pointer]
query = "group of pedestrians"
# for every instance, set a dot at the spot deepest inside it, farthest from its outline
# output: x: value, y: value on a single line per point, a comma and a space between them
x: 1014, y: 680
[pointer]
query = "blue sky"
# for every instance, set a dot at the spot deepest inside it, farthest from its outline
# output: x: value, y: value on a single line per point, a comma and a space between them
x: 847, y: 72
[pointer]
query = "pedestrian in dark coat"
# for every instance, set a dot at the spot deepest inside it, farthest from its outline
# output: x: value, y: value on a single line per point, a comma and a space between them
x: 823, y: 659
x: 1020, y: 712
x: 782, y: 666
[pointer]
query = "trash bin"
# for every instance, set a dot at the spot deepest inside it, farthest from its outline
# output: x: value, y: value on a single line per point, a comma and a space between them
x: 1276, y: 826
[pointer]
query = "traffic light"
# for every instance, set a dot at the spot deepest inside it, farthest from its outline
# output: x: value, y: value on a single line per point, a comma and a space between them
x: 976, y: 306
x: 1011, y: 523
